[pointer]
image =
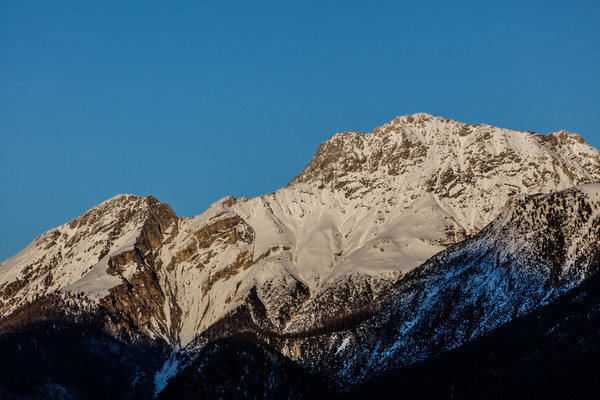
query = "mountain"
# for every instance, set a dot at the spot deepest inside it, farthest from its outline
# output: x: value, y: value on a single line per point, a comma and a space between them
x: 339, y: 246
x: 537, y: 249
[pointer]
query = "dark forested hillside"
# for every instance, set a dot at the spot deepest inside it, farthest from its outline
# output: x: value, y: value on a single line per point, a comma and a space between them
x: 551, y: 353
x: 50, y: 354
x: 242, y: 367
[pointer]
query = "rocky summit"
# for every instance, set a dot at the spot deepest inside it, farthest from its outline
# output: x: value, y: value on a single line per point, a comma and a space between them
x: 389, y: 249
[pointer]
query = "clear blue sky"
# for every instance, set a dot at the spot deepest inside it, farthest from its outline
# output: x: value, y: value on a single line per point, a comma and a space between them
x: 193, y: 101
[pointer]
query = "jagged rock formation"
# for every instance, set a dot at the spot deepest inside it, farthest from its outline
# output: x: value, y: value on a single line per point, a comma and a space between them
x: 351, y: 228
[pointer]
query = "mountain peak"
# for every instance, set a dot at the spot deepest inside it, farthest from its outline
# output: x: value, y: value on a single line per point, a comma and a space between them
x: 421, y: 146
x: 75, y: 256
x: 125, y: 197
x: 417, y: 120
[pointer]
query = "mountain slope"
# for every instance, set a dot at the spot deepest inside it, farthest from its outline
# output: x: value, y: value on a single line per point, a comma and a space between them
x: 538, y: 248
x: 551, y: 353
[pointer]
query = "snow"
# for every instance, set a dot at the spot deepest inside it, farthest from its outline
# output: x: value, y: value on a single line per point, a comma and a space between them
x: 96, y: 281
x: 343, y: 346
x: 169, y: 369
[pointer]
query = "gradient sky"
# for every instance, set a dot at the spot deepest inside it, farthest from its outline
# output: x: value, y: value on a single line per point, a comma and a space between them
x: 193, y: 101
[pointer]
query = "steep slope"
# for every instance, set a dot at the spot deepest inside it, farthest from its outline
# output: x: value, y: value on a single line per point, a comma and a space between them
x: 367, y: 208
x: 539, y: 247
x: 553, y: 353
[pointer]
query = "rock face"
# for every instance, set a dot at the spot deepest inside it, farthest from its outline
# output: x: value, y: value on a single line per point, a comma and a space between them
x: 339, y: 247
x: 108, y: 255
x: 367, y: 208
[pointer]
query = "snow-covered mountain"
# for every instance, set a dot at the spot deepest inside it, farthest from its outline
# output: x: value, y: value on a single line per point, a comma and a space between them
x: 538, y: 248
x: 367, y: 209
x: 513, y: 307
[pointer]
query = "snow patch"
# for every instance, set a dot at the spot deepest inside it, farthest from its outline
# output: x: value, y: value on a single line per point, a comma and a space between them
x: 169, y: 369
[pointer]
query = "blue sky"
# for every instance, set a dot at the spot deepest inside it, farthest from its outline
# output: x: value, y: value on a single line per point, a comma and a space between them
x: 194, y: 101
